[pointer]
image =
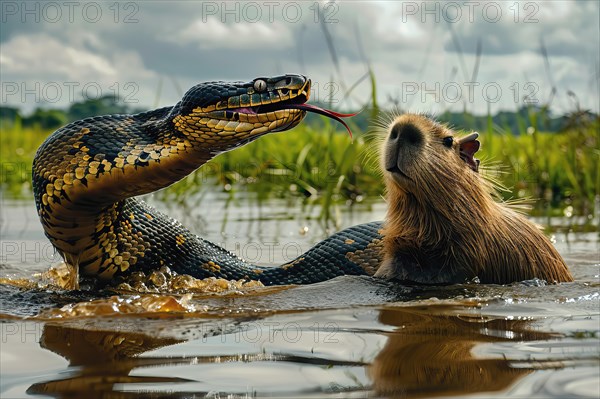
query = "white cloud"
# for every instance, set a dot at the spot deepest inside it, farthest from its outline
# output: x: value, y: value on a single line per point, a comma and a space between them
x: 40, y: 71
x: 40, y: 54
x: 214, y: 34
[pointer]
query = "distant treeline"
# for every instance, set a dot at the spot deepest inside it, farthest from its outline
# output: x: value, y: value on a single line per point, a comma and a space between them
x: 55, y: 118
x: 516, y: 122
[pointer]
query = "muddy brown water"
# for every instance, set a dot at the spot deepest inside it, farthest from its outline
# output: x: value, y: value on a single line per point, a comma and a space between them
x: 351, y: 337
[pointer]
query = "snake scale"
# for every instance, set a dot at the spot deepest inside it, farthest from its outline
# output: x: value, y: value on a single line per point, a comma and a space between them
x: 87, y: 174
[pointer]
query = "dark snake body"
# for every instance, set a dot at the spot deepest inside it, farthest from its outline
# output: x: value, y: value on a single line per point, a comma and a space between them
x: 86, y: 174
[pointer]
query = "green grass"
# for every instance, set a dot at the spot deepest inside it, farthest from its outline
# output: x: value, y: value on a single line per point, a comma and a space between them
x: 324, y: 165
x: 17, y: 149
x: 556, y: 170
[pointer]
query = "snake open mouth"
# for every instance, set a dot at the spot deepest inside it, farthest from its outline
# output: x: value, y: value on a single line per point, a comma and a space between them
x: 298, y: 102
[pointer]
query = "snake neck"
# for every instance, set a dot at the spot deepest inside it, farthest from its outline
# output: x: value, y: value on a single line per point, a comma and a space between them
x: 82, y: 163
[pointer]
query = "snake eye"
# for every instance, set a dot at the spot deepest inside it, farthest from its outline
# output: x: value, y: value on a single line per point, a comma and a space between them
x: 260, y: 85
x: 448, y: 141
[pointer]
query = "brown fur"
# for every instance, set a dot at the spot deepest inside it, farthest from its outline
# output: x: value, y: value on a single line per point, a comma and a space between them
x: 443, y: 225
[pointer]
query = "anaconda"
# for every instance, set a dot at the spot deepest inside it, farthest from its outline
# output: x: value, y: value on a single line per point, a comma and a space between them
x: 87, y: 174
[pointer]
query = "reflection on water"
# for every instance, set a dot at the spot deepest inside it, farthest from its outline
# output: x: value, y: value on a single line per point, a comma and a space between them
x: 432, y: 354
x: 348, y: 337
x: 105, y: 357
x: 409, y: 351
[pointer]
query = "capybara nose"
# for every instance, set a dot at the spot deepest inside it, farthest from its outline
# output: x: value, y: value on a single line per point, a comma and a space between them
x: 406, y: 134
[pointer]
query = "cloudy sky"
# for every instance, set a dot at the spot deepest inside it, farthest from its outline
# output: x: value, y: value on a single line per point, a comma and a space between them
x: 423, y: 54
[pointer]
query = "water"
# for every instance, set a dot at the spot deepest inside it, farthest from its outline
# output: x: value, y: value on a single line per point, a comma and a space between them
x: 349, y: 337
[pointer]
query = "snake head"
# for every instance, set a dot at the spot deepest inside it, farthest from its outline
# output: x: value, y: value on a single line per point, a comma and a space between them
x: 223, y: 115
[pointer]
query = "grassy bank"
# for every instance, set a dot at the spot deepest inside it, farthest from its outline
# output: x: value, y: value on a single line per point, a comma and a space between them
x: 559, y: 171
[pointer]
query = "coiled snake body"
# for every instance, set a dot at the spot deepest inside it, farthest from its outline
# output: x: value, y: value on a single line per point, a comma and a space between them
x: 86, y: 175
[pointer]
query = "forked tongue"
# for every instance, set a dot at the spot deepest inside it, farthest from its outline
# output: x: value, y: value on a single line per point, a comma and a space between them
x: 325, y: 112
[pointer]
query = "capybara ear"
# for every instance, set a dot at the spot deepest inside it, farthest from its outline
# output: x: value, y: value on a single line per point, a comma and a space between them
x: 469, y: 145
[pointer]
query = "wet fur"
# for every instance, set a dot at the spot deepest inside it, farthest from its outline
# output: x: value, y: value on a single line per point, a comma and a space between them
x: 444, y: 226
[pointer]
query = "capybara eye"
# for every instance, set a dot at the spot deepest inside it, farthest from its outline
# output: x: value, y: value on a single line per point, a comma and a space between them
x: 448, y: 141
